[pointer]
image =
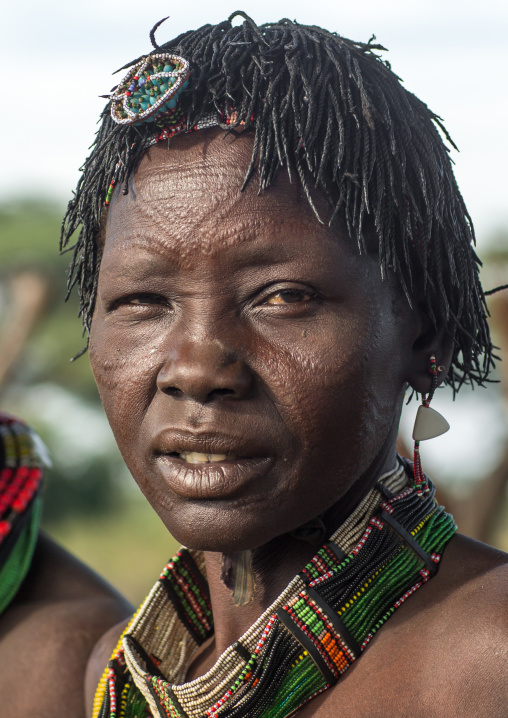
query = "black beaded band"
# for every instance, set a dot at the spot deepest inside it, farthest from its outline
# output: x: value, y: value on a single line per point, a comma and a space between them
x: 406, y: 536
x: 242, y: 651
x: 344, y: 633
x: 308, y: 645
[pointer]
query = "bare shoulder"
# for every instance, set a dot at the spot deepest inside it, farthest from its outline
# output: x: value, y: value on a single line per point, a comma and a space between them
x: 473, y: 581
x: 49, y: 631
x: 472, y: 618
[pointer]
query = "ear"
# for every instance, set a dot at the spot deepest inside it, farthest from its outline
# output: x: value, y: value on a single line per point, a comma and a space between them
x: 431, y: 341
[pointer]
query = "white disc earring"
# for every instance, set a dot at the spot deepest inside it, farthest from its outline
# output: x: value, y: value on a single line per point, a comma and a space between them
x: 428, y: 424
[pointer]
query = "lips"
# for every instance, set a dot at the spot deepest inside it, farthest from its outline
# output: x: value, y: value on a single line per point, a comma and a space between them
x: 209, y: 466
x: 194, y: 457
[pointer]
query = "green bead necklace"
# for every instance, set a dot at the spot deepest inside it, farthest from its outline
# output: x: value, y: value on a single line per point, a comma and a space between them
x: 303, y: 643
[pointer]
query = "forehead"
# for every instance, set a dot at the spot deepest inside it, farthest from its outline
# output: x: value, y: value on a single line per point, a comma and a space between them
x: 192, y: 193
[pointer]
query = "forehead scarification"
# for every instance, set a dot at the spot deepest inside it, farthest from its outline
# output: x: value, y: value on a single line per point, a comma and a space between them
x: 190, y: 199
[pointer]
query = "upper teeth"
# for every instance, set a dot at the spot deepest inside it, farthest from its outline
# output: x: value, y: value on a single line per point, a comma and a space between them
x: 194, y: 457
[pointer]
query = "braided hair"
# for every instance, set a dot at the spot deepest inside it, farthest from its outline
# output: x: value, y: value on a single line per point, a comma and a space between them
x: 332, y: 111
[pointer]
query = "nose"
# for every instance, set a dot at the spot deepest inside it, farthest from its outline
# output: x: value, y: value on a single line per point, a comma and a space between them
x: 204, y: 371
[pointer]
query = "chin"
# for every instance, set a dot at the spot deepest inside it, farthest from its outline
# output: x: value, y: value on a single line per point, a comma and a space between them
x: 222, y: 530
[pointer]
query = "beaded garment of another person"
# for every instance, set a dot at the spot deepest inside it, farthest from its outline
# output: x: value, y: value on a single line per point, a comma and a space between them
x: 22, y: 457
x: 321, y: 623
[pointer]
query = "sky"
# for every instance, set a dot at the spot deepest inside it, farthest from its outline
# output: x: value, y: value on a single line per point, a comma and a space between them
x: 59, y: 57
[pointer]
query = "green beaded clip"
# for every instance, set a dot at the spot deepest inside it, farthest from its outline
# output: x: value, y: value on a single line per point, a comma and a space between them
x: 150, y: 89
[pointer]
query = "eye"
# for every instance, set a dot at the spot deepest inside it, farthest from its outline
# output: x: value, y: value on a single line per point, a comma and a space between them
x: 140, y: 303
x: 145, y: 299
x: 290, y: 296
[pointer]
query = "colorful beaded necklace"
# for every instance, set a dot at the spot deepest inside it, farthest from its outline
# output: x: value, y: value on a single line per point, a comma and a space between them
x: 302, y: 644
x: 20, y: 503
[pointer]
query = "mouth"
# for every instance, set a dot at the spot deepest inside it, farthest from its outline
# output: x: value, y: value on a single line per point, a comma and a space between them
x: 195, y: 457
x: 215, y: 472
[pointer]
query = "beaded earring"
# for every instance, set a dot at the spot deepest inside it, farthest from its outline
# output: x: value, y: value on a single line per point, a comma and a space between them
x: 429, y: 423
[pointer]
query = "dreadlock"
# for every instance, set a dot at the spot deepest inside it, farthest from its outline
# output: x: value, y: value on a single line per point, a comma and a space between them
x: 332, y: 111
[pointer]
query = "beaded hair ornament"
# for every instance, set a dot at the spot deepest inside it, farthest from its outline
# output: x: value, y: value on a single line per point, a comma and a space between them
x: 150, y: 90
x: 150, y: 93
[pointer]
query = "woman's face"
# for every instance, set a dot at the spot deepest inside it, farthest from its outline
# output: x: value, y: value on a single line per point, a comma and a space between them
x: 251, y: 364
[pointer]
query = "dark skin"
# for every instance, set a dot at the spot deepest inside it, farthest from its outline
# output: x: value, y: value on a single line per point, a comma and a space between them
x: 235, y: 325
x: 48, y: 633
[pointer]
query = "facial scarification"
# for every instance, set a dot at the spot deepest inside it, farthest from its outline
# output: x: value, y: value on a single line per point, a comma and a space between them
x: 250, y: 362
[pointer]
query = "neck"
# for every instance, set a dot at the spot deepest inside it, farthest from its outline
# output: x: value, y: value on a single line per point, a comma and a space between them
x: 275, y: 565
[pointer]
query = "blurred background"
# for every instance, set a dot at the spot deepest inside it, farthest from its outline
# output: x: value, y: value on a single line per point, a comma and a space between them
x: 56, y: 59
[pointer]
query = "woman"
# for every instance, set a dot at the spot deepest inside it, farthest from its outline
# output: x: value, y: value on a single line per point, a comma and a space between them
x: 53, y: 609
x: 258, y: 302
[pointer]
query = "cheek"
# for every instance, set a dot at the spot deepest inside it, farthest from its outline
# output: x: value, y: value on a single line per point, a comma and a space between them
x: 338, y: 389
x: 317, y: 380
x: 125, y: 367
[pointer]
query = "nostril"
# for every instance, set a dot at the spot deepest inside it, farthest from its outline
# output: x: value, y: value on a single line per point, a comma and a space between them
x: 173, y: 391
x: 220, y: 392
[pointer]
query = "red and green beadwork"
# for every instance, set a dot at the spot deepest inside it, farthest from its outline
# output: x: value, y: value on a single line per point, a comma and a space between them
x: 20, y: 503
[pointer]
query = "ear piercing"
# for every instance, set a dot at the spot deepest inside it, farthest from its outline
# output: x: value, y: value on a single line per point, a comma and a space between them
x: 429, y: 423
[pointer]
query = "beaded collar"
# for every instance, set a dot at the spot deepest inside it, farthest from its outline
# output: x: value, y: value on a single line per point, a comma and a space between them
x: 322, y: 622
x: 24, y: 456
